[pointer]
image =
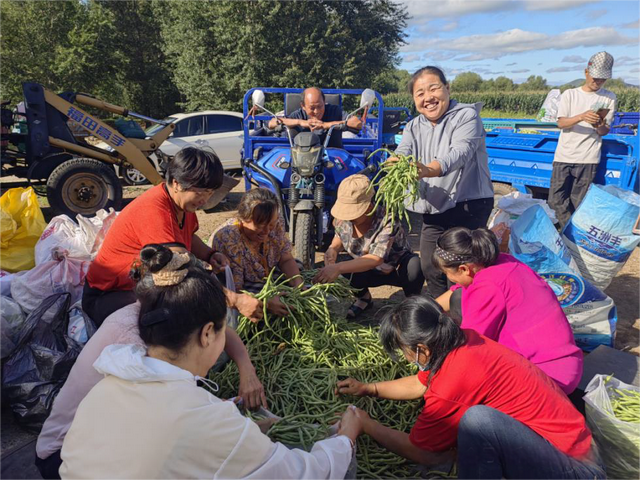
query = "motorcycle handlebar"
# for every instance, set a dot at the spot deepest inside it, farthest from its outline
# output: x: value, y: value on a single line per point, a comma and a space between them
x: 369, y: 169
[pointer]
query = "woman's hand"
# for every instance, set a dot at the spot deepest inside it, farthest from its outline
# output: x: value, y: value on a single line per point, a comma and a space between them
x: 264, y: 424
x: 328, y: 274
x: 277, y: 307
x: 351, y: 386
x: 218, y: 262
x: 330, y: 256
x: 251, y: 391
x: 248, y: 306
x: 352, y: 423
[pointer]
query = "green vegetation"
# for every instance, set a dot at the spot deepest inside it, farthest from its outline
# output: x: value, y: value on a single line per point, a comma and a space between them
x: 515, y: 103
x: 157, y: 57
x: 301, y: 357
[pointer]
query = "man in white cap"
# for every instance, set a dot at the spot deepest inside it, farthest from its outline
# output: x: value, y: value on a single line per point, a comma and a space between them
x: 584, y: 116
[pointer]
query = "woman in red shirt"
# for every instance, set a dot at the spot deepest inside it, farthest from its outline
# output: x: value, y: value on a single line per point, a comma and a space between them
x: 506, y: 417
x: 165, y: 213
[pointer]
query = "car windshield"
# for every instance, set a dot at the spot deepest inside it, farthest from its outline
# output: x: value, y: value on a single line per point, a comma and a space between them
x: 157, y: 127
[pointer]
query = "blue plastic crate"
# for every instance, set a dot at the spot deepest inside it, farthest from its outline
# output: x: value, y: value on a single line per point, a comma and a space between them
x: 621, y: 120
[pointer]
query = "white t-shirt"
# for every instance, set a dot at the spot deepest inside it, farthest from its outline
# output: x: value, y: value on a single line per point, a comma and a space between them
x: 581, y: 143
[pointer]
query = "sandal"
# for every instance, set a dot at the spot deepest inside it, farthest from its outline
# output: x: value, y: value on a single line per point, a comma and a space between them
x: 355, y: 310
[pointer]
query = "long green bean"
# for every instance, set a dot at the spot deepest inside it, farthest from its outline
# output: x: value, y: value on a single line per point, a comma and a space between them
x: 396, y: 182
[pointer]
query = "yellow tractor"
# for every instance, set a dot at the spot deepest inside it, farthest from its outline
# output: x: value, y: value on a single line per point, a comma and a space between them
x: 80, y: 177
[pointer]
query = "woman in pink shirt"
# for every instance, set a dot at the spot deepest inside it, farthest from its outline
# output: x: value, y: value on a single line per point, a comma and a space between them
x: 503, y: 299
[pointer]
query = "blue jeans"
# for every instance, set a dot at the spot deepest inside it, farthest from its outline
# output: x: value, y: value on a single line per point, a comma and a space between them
x: 492, y: 444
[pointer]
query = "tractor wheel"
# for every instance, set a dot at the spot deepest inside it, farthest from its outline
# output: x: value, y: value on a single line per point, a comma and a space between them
x: 83, y: 186
x: 133, y: 177
x: 303, y: 240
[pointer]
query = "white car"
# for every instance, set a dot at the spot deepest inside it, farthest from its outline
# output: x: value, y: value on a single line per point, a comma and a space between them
x: 219, y: 130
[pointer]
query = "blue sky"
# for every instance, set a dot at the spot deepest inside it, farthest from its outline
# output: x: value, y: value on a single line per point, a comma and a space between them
x: 518, y: 38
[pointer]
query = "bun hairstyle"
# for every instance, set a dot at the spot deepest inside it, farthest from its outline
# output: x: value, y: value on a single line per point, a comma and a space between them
x: 177, y: 298
x: 460, y: 245
x: 420, y: 320
x: 258, y: 205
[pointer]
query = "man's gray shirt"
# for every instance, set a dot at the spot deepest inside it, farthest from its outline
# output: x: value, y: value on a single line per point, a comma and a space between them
x: 457, y: 142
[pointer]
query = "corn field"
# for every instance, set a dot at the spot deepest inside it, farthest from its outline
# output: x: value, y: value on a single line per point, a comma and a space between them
x: 522, y: 102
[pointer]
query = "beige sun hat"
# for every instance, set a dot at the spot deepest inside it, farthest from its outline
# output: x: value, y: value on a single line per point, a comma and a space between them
x: 354, y: 198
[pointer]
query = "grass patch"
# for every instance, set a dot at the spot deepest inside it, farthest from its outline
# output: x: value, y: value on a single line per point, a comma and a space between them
x: 488, y: 113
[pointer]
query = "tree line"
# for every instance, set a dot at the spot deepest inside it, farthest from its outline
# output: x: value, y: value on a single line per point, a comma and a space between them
x: 157, y: 57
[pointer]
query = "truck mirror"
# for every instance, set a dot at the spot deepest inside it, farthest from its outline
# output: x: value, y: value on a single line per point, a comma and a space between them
x: 367, y: 98
x: 257, y: 97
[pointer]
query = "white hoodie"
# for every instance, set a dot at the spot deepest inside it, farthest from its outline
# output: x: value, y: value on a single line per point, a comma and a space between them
x: 149, y: 419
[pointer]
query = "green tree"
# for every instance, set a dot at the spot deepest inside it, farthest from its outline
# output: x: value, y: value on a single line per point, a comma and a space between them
x: 141, y: 76
x: 35, y: 44
x: 218, y: 50
x: 488, y: 85
x: 467, y: 82
x: 504, y: 84
x: 534, y: 83
x: 391, y: 81
x: 615, y: 83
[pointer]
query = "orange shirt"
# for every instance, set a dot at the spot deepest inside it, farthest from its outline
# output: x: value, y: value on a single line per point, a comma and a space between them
x: 150, y: 218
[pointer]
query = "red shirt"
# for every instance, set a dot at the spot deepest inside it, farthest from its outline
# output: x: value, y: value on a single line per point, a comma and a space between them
x: 150, y: 218
x: 483, y: 372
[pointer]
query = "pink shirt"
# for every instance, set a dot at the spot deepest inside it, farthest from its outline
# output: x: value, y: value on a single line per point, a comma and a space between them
x: 509, y: 303
x: 121, y: 327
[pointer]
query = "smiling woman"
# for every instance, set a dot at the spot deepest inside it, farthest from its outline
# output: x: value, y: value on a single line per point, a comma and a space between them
x: 163, y: 214
x: 448, y: 139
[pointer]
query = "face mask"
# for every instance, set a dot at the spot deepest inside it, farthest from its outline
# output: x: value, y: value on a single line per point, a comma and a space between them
x: 422, y: 368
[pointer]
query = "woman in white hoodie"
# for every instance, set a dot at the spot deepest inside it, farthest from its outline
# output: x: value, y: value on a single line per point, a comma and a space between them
x: 148, y: 418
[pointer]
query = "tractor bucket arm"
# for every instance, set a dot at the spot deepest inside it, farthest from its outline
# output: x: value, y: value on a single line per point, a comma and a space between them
x: 126, y: 148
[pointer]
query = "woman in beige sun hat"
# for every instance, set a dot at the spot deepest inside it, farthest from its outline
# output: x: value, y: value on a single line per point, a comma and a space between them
x: 381, y: 254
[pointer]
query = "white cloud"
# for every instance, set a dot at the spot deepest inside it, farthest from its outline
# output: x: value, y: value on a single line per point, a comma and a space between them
x: 449, y: 27
x: 412, y: 58
x: 622, y: 61
x: 421, y: 11
x: 439, y: 56
x: 595, y: 14
x: 635, y: 24
x: 555, y: 4
x: 496, y: 45
x: 574, y: 59
x: 511, y: 64
x: 634, y: 70
x: 523, y: 70
x: 568, y: 68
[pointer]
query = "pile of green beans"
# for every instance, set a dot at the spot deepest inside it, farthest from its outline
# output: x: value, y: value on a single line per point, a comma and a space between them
x: 397, y: 183
x: 626, y: 405
x: 301, y: 357
x: 617, y: 432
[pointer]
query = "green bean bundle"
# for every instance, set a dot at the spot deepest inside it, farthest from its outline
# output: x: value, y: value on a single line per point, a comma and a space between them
x: 397, y: 183
x: 626, y: 405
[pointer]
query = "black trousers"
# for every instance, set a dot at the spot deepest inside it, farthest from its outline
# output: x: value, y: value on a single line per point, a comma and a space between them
x: 471, y: 214
x: 99, y: 304
x: 49, y: 466
x: 408, y: 275
x: 569, y: 185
